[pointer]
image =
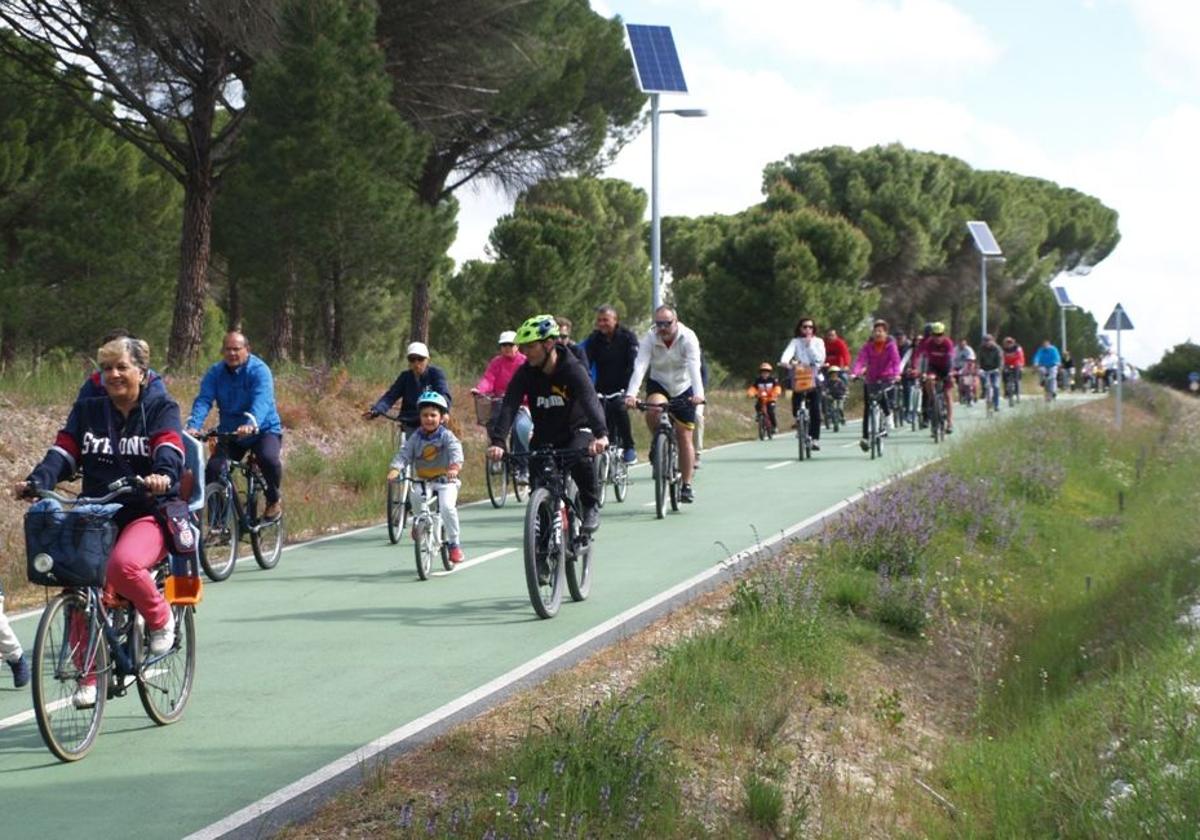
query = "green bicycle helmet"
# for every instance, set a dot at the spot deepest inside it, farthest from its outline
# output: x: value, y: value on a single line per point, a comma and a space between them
x: 432, y: 398
x: 537, y: 328
x: 938, y: 328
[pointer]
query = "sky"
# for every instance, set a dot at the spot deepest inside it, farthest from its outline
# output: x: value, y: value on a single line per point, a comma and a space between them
x: 1099, y: 95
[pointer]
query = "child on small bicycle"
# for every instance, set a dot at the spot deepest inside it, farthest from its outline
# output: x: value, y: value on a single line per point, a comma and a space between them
x: 434, y: 453
x: 764, y: 391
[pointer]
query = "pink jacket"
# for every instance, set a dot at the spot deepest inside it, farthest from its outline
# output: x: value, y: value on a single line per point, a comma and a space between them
x: 500, y: 370
x: 881, y: 365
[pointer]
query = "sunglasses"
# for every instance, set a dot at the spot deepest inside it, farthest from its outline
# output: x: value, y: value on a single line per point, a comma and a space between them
x: 662, y: 325
x: 807, y: 327
x: 416, y: 358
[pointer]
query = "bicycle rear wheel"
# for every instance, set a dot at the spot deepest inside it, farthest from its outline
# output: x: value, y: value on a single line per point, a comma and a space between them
x: 662, y: 474
x: 579, y: 558
x: 266, y: 539
x: 497, y: 480
x: 165, y: 683
x: 219, y: 533
x: 544, y: 550
x: 68, y: 651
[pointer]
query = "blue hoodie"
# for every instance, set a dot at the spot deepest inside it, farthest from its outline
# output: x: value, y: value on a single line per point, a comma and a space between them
x: 244, y: 395
x: 1047, y: 357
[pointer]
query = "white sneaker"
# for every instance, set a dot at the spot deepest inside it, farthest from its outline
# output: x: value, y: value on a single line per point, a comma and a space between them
x: 84, y: 697
x: 891, y: 423
x: 163, y: 638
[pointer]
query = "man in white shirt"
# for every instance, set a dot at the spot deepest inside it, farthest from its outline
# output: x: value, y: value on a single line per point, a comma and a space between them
x: 670, y: 352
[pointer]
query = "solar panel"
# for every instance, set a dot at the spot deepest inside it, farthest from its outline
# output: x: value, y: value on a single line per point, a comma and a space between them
x: 655, y: 59
x: 984, y: 241
x: 1063, y: 299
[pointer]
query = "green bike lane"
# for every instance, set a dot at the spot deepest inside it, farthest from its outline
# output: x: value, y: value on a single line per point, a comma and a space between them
x: 305, y: 666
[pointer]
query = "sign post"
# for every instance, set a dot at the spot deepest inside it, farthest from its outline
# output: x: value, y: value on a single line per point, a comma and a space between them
x: 1118, y: 321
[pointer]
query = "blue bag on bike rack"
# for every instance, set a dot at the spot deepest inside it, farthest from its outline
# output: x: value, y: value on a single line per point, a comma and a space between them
x: 67, y: 547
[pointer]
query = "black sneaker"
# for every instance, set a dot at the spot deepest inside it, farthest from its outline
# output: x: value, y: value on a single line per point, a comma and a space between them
x: 816, y: 447
x: 686, y: 495
x: 591, y: 519
x: 20, y: 671
x: 864, y: 445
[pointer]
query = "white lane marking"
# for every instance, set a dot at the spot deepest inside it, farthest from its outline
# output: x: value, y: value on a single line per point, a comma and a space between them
x: 649, y: 504
x: 475, y: 561
x: 373, y: 748
x: 777, y: 466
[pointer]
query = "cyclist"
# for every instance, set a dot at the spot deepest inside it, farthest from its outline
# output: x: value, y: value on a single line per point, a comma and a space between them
x: 937, y: 354
x: 131, y: 431
x: 11, y: 651
x: 420, y: 377
x: 964, y: 364
x: 566, y: 411
x: 244, y: 391
x: 990, y: 360
x: 837, y: 351
x: 611, y: 351
x: 435, y: 453
x: 906, y: 347
x: 670, y: 353
x: 767, y: 387
x: 806, y: 350
x: 878, y: 362
x: 1014, y: 361
x: 1047, y: 359
x: 494, y: 382
x: 564, y: 338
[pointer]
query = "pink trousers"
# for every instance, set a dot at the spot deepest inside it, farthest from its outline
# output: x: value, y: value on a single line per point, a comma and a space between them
x: 138, y: 549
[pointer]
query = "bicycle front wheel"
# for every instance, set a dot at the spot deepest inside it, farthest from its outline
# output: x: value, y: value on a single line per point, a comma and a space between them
x: 544, y: 560
x: 662, y: 474
x: 603, y: 460
x: 802, y: 432
x: 219, y: 533
x: 762, y: 426
x: 165, y: 683
x: 423, y: 547
x: 267, y: 537
x: 497, y: 480
x: 620, y: 479
x: 69, y: 653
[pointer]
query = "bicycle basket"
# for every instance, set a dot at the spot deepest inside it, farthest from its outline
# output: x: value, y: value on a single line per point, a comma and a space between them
x: 484, y: 408
x: 67, y: 547
x: 802, y: 378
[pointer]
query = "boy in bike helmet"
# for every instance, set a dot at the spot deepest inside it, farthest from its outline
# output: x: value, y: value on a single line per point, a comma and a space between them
x: 765, y: 389
x: 435, y: 453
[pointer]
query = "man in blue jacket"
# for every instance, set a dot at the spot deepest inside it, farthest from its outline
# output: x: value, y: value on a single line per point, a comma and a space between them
x: 242, y: 387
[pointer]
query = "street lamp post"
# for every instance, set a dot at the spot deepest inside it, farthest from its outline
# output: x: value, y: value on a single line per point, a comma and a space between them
x: 655, y: 217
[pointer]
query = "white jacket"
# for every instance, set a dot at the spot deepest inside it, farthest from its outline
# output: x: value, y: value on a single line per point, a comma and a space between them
x: 676, y: 368
x: 811, y: 352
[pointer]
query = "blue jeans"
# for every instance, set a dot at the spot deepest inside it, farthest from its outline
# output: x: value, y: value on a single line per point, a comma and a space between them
x: 991, y: 384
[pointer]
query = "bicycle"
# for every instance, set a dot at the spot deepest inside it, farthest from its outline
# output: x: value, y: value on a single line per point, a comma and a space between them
x: 398, y: 505
x: 610, y: 464
x: 912, y: 405
x: 429, y: 532
x: 803, y: 382
x: 876, y: 428
x: 664, y: 454
x: 231, y: 514
x: 1012, y: 385
x: 500, y: 474
x: 966, y: 384
x: 88, y: 638
x: 833, y: 401
x: 989, y: 395
x: 764, y: 396
x: 936, y: 394
x: 557, y: 550
x: 1049, y: 381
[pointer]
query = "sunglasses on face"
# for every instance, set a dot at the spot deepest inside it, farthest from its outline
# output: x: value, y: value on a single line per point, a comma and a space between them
x: 662, y: 325
x: 416, y: 358
x: 807, y: 327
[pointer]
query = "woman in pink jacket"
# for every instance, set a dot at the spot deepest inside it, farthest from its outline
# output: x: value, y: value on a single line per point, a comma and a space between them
x: 494, y: 383
x: 879, y: 359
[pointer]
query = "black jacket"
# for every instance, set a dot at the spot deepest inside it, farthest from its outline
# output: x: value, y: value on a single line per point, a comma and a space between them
x: 612, y: 358
x: 562, y: 403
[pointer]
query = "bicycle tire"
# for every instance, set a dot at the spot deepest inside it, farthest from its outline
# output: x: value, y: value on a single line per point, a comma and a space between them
x: 542, y: 548
x: 423, y: 547
x: 219, y: 531
x: 836, y: 417
x: 497, y: 481
x: 939, y: 417
x: 661, y: 467
x: 600, y: 469
x: 266, y: 538
x: 620, y: 479
x: 395, y: 512
x: 673, y: 477
x: 579, y: 557
x: 801, y: 430
x: 69, y: 732
x: 762, y: 426
x: 519, y: 490
x: 170, y: 678
x: 444, y: 548
x: 872, y: 429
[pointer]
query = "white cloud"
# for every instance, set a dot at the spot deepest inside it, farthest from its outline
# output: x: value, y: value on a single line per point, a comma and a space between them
x: 1172, y: 29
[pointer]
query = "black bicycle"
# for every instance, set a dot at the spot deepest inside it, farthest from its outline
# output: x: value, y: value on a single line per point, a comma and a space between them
x: 833, y: 400
x: 508, y: 470
x: 610, y: 464
x: 557, y: 550
x: 232, y: 514
x: 664, y: 454
x: 398, y: 505
x: 90, y: 646
x: 1012, y: 385
x: 936, y: 395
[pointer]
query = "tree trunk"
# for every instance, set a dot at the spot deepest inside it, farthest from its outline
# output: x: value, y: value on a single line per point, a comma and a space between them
x: 282, y: 331
x: 187, y: 324
x: 233, y: 320
x: 8, y: 347
x: 419, y: 315
x: 337, y: 344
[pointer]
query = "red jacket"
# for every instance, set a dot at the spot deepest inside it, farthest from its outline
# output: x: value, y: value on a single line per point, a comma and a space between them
x: 837, y: 352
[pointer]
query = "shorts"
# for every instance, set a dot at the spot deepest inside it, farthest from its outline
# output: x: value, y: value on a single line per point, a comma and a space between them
x: 685, y: 415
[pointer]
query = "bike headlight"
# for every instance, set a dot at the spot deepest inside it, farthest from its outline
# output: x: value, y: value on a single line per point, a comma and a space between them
x: 43, y: 563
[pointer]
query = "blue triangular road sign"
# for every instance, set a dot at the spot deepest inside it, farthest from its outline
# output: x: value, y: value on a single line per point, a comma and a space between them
x: 1118, y: 320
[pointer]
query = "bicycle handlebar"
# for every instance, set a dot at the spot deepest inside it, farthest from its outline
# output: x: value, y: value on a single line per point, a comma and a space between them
x: 120, y: 487
x: 674, y: 402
